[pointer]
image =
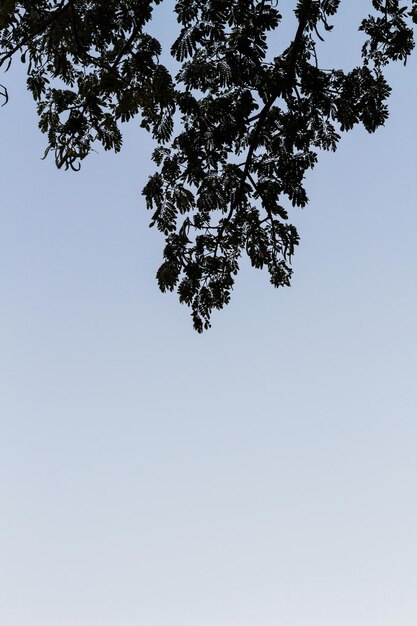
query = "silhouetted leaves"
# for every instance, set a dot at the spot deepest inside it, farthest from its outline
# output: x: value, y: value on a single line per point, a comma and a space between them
x: 236, y: 131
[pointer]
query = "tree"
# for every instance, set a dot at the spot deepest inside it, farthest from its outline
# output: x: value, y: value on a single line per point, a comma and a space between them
x: 236, y: 130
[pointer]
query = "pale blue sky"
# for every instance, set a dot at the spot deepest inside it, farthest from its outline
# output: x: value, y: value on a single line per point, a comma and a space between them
x: 263, y: 474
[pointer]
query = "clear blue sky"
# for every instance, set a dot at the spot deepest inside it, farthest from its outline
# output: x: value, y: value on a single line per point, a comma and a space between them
x: 263, y: 474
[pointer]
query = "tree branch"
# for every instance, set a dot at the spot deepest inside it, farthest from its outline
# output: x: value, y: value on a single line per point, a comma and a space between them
x: 293, y: 53
x: 53, y: 16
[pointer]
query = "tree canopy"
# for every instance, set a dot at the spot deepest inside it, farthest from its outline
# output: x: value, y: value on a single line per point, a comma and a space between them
x: 236, y: 129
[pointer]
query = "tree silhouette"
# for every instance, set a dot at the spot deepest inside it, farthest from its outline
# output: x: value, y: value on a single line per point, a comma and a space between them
x: 236, y: 130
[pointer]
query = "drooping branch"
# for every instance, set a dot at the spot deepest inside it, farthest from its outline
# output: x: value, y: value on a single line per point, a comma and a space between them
x: 261, y: 118
x: 94, y: 68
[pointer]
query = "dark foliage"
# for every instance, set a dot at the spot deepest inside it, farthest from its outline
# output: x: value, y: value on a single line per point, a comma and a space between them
x: 250, y: 126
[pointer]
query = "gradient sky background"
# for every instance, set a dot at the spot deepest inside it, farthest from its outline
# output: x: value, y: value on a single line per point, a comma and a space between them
x: 263, y: 474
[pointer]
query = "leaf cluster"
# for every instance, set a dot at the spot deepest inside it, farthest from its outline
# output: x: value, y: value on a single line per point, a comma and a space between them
x: 250, y: 126
x: 91, y: 66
